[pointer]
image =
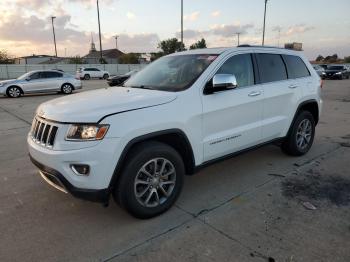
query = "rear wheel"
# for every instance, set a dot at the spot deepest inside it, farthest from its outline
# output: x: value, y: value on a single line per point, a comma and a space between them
x: 13, y: 92
x: 105, y: 76
x: 67, y: 89
x: 301, y: 135
x: 151, y: 181
x: 86, y: 77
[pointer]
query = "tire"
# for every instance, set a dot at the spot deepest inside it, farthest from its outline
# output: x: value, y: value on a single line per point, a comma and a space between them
x: 14, y: 92
x: 156, y: 193
x: 105, y: 76
x: 67, y: 89
x: 301, y: 135
x: 87, y: 77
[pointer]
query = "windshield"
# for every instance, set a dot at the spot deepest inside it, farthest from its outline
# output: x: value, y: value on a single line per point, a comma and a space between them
x: 171, y: 73
x: 335, y: 68
x: 23, y: 77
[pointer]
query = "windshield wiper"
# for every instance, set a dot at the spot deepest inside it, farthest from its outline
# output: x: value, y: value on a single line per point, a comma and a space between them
x: 141, y: 86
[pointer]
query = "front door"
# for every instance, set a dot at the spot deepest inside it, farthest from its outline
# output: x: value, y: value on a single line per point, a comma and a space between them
x: 232, y: 118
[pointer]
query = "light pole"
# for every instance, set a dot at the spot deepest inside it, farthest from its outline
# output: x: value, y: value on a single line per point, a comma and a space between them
x: 99, y: 31
x: 263, y: 40
x: 116, y: 41
x: 54, y: 35
x: 238, y: 34
x: 182, y: 23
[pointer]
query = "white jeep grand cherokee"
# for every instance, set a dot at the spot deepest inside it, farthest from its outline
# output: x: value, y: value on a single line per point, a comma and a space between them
x: 178, y: 114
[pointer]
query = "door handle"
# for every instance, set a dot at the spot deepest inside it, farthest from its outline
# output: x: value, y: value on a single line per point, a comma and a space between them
x: 254, y: 93
x: 293, y: 86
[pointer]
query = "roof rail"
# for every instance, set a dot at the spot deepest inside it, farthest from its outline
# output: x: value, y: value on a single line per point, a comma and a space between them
x: 260, y: 46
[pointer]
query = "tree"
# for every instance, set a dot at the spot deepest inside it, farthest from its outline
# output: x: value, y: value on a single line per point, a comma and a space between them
x: 331, y: 59
x: 5, y: 58
x: 155, y: 56
x: 130, y: 58
x: 347, y: 59
x: 76, y: 60
x: 200, y: 44
x: 171, y: 45
x: 319, y: 58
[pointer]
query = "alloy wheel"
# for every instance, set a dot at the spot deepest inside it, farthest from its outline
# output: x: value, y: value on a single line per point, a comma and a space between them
x: 67, y: 89
x: 155, y: 182
x: 14, y: 92
x: 304, y: 134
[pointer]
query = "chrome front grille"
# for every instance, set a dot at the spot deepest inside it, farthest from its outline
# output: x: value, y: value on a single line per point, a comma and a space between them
x: 43, y: 133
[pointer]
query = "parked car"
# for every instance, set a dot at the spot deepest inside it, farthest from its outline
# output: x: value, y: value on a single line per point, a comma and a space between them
x: 119, y: 80
x: 320, y: 71
x: 337, y: 72
x: 91, y: 72
x: 179, y: 114
x: 324, y: 66
x: 40, y: 81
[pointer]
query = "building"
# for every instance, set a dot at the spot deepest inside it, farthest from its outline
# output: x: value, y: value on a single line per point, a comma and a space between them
x: 110, y: 56
x: 34, y: 59
x: 294, y: 46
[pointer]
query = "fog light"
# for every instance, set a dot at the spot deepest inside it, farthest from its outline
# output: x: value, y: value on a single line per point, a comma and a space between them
x: 80, y: 170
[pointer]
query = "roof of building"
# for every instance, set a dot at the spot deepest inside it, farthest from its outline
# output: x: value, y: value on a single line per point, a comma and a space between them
x: 108, y: 53
x: 36, y: 56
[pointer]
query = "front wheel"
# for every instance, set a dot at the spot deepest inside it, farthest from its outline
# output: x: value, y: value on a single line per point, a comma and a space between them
x: 151, y: 181
x: 301, y: 135
x: 13, y: 92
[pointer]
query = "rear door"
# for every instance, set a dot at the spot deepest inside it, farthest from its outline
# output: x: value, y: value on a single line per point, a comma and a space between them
x: 232, y: 118
x: 281, y: 94
x: 53, y: 80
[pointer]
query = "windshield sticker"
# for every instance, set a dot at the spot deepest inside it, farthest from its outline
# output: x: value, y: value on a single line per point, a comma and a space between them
x: 207, y: 57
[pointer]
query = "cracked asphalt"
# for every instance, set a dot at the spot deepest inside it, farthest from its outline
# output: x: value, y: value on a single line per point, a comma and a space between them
x: 247, y: 208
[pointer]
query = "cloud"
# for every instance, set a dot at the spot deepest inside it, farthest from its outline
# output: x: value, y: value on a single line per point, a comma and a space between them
x: 230, y: 30
x: 130, y: 15
x: 146, y: 42
x: 298, y: 29
x: 215, y: 13
x: 192, y: 17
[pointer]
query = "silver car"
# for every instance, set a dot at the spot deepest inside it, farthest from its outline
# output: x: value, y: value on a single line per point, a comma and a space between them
x: 41, y: 81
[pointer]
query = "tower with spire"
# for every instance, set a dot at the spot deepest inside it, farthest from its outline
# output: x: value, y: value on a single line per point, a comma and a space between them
x: 92, y: 45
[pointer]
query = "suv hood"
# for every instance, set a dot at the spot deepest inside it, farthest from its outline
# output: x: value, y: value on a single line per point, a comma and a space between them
x: 91, y: 106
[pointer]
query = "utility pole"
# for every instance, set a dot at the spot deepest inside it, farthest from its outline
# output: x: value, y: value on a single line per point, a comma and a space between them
x: 279, y: 36
x: 182, y: 22
x: 238, y: 34
x: 263, y: 40
x: 54, y: 35
x: 99, y: 31
x: 116, y: 41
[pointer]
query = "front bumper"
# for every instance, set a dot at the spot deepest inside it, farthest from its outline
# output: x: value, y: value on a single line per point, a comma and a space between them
x: 101, y: 157
x: 57, y: 180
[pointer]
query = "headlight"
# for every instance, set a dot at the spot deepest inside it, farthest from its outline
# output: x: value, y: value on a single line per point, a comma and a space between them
x: 338, y: 73
x: 86, y: 132
x: 1, y: 84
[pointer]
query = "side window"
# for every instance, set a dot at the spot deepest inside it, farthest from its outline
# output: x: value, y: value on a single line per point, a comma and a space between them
x: 35, y: 76
x: 296, y: 67
x: 51, y: 75
x: 271, y: 67
x: 242, y: 67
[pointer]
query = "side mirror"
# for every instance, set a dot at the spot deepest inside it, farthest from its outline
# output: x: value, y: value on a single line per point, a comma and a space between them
x: 221, y: 82
x: 28, y: 78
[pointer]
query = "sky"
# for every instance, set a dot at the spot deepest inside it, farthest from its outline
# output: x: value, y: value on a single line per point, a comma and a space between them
x: 322, y: 26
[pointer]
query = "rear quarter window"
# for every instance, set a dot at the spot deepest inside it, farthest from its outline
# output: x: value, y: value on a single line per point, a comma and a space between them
x: 296, y: 67
x: 271, y: 68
